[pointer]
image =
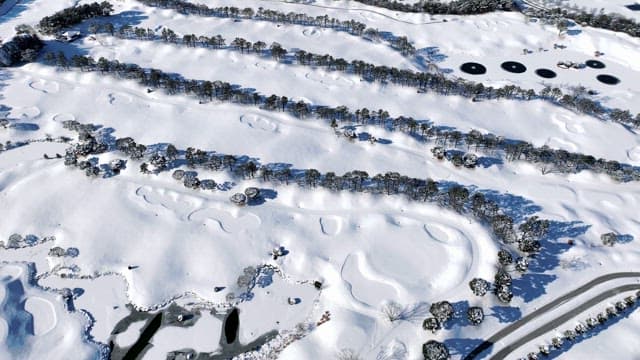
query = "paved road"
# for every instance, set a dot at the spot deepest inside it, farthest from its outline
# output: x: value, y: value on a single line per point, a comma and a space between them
x: 562, y: 319
x: 550, y: 306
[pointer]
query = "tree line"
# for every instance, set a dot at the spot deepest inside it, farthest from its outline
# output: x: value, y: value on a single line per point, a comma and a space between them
x: 351, y: 26
x: 578, y: 100
x: 73, y: 15
x: 550, y: 160
x: 522, y: 239
x: 600, y: 20
x: 456, y: 7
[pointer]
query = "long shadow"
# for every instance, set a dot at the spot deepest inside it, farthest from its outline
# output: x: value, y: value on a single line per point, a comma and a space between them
x: 458, y: 346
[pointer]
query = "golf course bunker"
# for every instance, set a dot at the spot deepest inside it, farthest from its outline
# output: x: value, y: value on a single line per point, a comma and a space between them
x: 546, y: 73
x: 595, y: 64
x: 330, y: 225
x: 513, y: 67
x: 608, y: 79
x: 473, y: 68
x: 43, y: 312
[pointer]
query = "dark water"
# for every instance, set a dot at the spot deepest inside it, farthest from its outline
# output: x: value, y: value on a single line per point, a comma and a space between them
x: 595, y: 64
x: 473, y: 68
x: 608, y: 79
x: 231, y: 324
x: 513, y: 67
x: 144, y: 338
x: 546, y: 73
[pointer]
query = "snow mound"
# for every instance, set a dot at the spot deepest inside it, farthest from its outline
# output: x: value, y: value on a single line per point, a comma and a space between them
x: 258, y: 122
x: 40, y: 324
x: 180, y: 204
x: 366, y: 285
x: 117, y: 98
x: 44, y: 314
x: 329, y: 78
x: 634, y: 154
x: 311, y: 32
x: 227, y: 222
x: 63, y: 117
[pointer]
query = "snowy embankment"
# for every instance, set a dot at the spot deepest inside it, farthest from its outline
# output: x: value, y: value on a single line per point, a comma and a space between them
x: 34, y: 322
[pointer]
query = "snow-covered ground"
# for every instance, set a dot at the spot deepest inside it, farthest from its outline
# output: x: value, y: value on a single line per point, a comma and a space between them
x: 34, y: 323
x: 146, y: 240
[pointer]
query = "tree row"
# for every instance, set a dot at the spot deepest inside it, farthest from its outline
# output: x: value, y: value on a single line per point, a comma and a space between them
x: 550, y: 160
x: 456, y: 7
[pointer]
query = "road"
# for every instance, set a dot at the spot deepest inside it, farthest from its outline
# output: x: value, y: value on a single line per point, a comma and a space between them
x: 548, y: 307
x: 562, y: 319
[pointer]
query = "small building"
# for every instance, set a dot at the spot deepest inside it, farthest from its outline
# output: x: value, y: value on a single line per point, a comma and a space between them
x: 69, y: 36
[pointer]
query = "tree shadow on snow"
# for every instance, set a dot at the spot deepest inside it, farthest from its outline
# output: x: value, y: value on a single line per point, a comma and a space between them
x: 463, y: 347
x: 505, y: 314
x: 459, y: 318
x: 486, y: 162
x: 265, y: 194
x: 25, y: 126
x: 532, y: 284
x: 624, y: 239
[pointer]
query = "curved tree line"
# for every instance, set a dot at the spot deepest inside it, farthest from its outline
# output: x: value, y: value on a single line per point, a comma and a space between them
x: 550, y: 160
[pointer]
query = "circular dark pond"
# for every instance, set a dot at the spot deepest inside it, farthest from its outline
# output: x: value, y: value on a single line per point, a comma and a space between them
x: 473, y: 68
x: 513, y: 66
x: 546, y: 73
x: 608, y: 79
x: 595, y: 64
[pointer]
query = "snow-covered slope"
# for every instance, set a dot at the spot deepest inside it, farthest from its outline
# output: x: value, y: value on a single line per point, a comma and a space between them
x: 146, y: 241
